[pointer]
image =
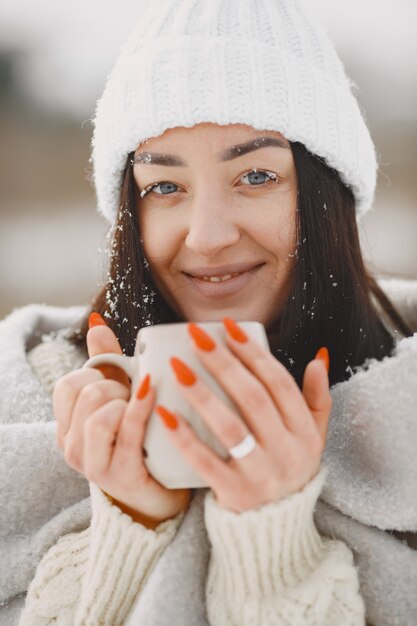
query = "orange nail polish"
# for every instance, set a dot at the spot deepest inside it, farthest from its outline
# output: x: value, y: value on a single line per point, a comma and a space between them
x: 323, y: 355
x: 95, y: 319
x: 201, y: 338
x: 234, y: 330
x: 168, y: 418
x: 144, y: 388
x: 184, y: 374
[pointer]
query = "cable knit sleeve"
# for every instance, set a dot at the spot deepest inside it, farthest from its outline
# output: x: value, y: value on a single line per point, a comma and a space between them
x: 94, y: 576
x: 270, y: 566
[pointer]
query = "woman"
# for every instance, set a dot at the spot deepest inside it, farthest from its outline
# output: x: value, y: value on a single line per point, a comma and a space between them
x: 227, y: 141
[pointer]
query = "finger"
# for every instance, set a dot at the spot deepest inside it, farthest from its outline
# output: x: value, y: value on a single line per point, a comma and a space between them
x: 101, y: 339
x: 261, y: 418
x: 65, y: 394
x: 128, y: 451
x: 276, y: 378
x: 247, y: 392
x: 100, y: 433
x: 257, y: 369
x: 91, y: 397
x: 317, y: 395
x: 205, y: 461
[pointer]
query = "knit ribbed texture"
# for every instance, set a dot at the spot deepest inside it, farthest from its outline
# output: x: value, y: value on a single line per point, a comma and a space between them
x: 93, y: 577
x: 264, y: 63
x: 66, y: 357
x: 270, y: 566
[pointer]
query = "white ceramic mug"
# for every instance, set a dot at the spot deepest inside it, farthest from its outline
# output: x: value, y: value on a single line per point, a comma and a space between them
x: 155, y: 345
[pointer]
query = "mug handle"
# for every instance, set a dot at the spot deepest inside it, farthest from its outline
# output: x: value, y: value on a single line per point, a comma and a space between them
x: 126, y: 363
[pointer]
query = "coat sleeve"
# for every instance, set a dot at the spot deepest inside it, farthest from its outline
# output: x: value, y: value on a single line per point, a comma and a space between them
x: 270, y: 566
x: 93, y: 577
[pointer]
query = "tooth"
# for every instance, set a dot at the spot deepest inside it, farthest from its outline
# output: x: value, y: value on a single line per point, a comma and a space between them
x: 217, y: 279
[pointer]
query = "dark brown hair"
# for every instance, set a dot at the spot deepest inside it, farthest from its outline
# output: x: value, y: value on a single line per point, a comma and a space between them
x: 330, y: 301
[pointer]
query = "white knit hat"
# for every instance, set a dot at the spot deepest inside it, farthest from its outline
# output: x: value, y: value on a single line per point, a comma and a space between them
x: 264, y: 63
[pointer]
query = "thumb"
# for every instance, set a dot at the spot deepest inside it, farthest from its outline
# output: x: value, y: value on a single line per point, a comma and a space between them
x: 317, y: 394
x: 101, y: 339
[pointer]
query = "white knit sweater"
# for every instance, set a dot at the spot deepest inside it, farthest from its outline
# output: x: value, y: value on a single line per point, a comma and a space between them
x: 267, y: 566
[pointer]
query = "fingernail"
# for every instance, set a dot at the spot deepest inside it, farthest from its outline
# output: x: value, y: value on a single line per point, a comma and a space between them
x: 201, y: 338
x: 182, y: 372
x: 95, y: 319
x: 144, y: 388
x: 323, y: 355
x: 234, y: 330
x: 168, y: 418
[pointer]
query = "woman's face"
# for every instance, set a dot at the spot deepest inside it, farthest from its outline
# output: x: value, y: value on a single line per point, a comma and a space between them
x: 211, y: 206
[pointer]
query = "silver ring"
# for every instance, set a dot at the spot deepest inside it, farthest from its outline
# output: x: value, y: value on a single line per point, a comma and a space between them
x: 243, y: 448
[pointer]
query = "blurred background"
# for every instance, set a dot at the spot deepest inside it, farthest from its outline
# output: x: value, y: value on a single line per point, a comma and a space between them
x: 54, y: 59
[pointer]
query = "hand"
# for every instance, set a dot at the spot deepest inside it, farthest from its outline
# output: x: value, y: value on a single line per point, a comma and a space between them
x: 289, y: 426
x: 101, y: 432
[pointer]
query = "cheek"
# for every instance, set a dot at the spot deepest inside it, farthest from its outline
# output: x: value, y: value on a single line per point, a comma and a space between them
x: 277, y: 231
x: 158, y: 235
x: 286, y: 240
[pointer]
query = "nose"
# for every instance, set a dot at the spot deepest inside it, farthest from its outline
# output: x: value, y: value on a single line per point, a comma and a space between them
x: 211, y: 228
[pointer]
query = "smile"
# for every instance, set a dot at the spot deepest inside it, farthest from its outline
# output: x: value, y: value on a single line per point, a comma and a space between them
x: 221, y: 286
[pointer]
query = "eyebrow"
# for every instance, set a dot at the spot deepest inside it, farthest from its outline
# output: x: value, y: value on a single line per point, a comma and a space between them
x: 156, y: 158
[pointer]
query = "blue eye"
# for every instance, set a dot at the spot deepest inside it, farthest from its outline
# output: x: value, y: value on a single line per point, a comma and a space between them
x: 155, y: 185
x: 257, y: 177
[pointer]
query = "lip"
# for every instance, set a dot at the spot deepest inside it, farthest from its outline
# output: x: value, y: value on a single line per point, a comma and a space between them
x: 229, y: 287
